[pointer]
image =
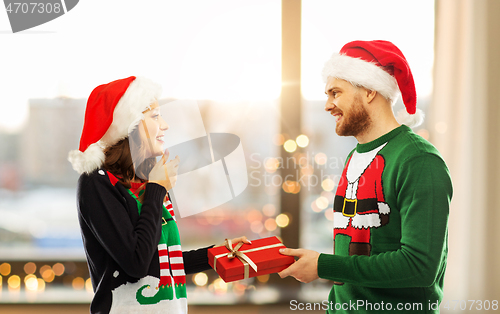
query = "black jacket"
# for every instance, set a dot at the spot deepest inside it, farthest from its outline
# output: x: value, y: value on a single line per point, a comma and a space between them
x: 121, y: 245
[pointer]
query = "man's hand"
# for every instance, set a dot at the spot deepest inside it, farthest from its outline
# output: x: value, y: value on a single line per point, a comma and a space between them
x: 305, y: 269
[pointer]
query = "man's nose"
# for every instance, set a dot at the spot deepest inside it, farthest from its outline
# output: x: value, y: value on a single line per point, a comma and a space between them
x: 329, y: 105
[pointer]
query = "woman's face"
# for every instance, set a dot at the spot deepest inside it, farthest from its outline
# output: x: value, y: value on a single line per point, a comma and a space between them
x: 152, y: 130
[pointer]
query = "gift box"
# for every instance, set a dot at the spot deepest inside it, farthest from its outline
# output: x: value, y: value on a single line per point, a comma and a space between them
x: 236, y: 261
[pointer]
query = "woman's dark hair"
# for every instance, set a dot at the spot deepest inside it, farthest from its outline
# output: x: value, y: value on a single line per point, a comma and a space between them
x: 121, y: 158
x: 118, y: 161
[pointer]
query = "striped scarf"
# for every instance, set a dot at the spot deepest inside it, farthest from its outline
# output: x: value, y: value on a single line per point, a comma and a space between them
x: 170, y: 251
x: 172, y: 275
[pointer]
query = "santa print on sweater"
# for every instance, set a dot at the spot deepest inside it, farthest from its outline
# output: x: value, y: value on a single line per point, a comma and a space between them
x: 359, y: 202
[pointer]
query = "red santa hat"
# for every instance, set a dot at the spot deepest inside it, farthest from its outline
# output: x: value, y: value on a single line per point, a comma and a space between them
x: 113, y: 110
x: 380, y: 66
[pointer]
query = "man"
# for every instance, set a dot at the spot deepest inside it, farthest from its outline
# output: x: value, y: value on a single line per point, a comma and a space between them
x: 392, y: 202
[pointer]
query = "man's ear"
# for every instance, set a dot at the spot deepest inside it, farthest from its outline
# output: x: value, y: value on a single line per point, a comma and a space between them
x: 370, y: 95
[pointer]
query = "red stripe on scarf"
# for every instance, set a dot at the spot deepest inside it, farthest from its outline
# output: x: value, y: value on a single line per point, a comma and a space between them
x: 175, y: 253
x: 177, y: 266
x: 164, y: 280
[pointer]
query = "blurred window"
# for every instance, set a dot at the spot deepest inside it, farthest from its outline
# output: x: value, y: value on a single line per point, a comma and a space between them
x: 228, y: 57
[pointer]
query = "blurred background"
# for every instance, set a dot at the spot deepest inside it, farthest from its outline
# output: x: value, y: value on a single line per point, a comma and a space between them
x: 255, y: 70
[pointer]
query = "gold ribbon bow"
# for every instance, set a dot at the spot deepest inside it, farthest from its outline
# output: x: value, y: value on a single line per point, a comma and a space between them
x: 234, y: 252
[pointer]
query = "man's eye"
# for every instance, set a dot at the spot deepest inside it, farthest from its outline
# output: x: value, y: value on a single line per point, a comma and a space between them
x: 156, y: 116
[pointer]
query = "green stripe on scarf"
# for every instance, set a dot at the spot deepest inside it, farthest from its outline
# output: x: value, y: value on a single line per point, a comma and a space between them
x: 169, y: 237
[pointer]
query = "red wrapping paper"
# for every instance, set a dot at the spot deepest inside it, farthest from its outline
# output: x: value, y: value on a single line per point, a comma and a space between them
x: 268, y: 261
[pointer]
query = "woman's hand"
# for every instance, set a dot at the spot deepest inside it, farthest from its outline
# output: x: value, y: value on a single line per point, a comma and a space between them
x: 165, y: 173
x: 237, y: 240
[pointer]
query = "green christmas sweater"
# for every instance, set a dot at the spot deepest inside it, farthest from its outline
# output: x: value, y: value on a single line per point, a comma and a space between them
x: 390, y: 228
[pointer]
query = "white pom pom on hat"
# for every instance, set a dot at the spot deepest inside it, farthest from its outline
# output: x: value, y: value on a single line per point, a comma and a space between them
x: 113, y: 110
x: 380, y: 66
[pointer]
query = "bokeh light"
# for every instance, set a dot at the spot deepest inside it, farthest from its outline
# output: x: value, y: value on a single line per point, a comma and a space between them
x: 48, y: 274
x: 290, y: 146
x: 256, y: 226
x: 215, y: 216
x: 78, y: 283
x: 315, y: 207
x: 30, y: 268
x: 43, y: 269
x: 31, y: 282
x: 292, y: 187
x: 220, y: 286
x: 28, y: 277
x: 239, y: 220
x: 328, y: 184
x: 254, y: 215
x: 271, y: 165
x: 88, y: 285
x: 270, y: 224
x: 320, y: 158
x: 239, y: 289
x: 41, y: 285
x: 58, y: 269
x: 282, y: 220
x: 302, y: 140
x: 5, y: 269
x: 269, y: 210
x: 69, y: 267
x: 424, y: 133
x: 329, y: 214
x: 278, y: 139
x: 200, y: 279
x: 263, y: 278
x: 14, y: 282
x: 200, y: 219
x: 322, y: 202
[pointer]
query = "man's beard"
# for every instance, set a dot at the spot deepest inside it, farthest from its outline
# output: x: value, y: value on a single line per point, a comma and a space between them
x: 355, y: 121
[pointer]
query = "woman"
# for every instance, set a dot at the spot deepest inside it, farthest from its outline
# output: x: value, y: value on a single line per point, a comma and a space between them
x: 130, y: 238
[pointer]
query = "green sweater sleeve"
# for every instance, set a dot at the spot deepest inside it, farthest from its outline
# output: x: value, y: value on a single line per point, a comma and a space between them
x: 423, y: 192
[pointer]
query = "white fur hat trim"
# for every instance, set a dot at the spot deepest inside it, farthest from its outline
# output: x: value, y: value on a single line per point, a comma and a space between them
x: 362, y: 73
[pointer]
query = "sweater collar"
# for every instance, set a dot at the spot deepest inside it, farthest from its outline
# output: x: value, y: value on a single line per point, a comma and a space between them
x: 363, y: 148
x: 134, y: 186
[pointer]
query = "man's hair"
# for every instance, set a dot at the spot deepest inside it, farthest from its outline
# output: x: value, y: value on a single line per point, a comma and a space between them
x: 356, y: 85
